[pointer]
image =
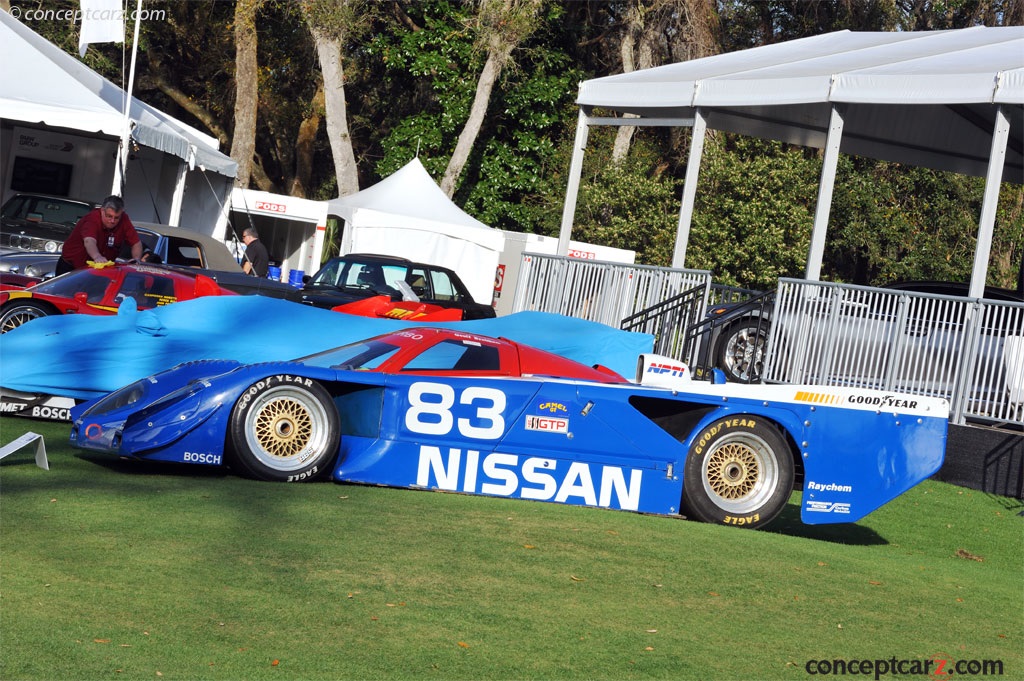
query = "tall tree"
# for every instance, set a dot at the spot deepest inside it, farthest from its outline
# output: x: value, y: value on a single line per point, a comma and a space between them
x: 655, y: 32
x: 331, y: 24
x: 243, y: 141
x: 501, y: 26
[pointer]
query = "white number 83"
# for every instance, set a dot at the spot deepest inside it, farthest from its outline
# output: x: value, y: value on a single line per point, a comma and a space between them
x: 430, y: 411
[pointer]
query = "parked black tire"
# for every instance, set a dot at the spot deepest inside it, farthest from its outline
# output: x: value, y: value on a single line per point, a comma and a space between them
x: 284, y: 430
x: 19, y: 312
x: 741, y: 351
x: 739, y: 471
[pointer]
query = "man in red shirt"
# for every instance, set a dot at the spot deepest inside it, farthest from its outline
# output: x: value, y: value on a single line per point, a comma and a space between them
x: 98, y: 237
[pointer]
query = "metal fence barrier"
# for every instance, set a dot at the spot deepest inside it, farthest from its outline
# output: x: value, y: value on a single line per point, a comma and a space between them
x: 599, y: 291
x: 969, y: 351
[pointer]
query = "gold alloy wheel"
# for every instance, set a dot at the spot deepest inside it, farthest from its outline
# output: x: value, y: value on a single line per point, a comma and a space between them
x: 283, y: 427
x: 740, y: 473
x: 733, y: 471
x: 286, y: 428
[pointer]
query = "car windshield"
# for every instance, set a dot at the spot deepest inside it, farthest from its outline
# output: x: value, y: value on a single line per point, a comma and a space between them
x: 365, y: 355
x: 352, y: 274
x: 43, y: 209
x: 87, y: 281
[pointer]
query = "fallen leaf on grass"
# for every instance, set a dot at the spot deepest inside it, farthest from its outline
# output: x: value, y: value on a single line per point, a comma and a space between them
x: 101, y: 640
x: 577, y: 579
x: 874, y: 583
x: 964, y: 553
x: 713, y: 593
x: 275, y: 663
x: 648, y: 648
x: 463, y: 644
x: 529, y: 546
x: 652, y: 631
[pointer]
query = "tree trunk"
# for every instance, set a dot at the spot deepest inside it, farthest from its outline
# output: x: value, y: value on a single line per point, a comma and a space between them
x: 301, y: 183
x: 502, y: 25
x: 329, y: 52
x: 243, y: 141
x: 477, y: 112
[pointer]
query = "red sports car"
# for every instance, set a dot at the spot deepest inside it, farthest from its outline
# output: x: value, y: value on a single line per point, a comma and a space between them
x: 100, y: 290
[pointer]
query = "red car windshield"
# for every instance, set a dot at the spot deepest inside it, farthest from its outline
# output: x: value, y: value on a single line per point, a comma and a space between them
x: 93, y: 283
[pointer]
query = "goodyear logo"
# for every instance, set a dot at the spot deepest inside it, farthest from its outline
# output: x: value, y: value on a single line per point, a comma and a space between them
x: 817, y: 398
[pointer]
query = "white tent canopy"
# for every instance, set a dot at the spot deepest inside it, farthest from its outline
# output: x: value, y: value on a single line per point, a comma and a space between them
x: 40, y: 83
x: 948, y: 100
x: 407, y: 215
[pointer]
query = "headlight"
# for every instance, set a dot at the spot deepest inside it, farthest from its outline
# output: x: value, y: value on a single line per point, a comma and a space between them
x: 51, y: 247
x: 130, y: 394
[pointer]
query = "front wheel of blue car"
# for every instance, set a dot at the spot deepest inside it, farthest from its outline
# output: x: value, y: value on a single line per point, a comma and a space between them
x: 284, y: 429
x: 739, y: 471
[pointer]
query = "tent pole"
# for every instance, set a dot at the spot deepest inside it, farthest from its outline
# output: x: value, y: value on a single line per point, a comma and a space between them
x: 986, y: 223
x: 700, y: 128
x: 121, y: 167
x: 825, y: 187
x: 571, y: 192
x: 178, y: 198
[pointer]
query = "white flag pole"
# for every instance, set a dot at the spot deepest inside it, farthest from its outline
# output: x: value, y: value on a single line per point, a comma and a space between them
x: 126, y: 131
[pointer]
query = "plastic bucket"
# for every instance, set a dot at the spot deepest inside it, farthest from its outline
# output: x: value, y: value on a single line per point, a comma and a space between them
x: 274, y: 273
x: 295, y: 278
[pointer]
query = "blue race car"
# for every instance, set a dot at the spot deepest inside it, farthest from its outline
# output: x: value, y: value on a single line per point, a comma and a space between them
x: 429, y: 408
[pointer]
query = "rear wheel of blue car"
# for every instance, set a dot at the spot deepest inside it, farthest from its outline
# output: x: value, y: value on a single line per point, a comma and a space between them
x: 284, y: 429
x: 739, y: 471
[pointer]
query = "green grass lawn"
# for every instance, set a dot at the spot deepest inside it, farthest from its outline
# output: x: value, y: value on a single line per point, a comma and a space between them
x: 121, y: 570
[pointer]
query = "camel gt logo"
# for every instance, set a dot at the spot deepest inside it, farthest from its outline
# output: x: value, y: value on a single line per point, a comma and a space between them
x: 553, y: 407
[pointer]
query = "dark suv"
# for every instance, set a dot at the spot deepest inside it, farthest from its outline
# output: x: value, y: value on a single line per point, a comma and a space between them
x: 35, y: 222
x: 358, y: 276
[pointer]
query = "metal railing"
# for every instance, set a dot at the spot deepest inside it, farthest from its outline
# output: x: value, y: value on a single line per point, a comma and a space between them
x: 670, y: 322
x: 969, y: 351
x: 595, y: 290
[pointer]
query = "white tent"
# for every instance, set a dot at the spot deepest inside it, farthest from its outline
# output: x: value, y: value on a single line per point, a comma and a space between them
x: 950, y: 100
x: 407, y: 215
x: 42, y: 87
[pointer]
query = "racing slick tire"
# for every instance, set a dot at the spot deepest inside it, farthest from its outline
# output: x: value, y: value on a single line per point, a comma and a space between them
x: 18, y: 313
x: 284, y: 429
x: 741, y: 351
x: 739, y: 471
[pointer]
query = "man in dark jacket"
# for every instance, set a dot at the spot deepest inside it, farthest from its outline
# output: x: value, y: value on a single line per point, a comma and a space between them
x: 256, y: 257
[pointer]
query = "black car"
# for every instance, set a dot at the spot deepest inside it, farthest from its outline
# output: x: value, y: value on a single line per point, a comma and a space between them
x: 358, y: 276
x: 36, y: 222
